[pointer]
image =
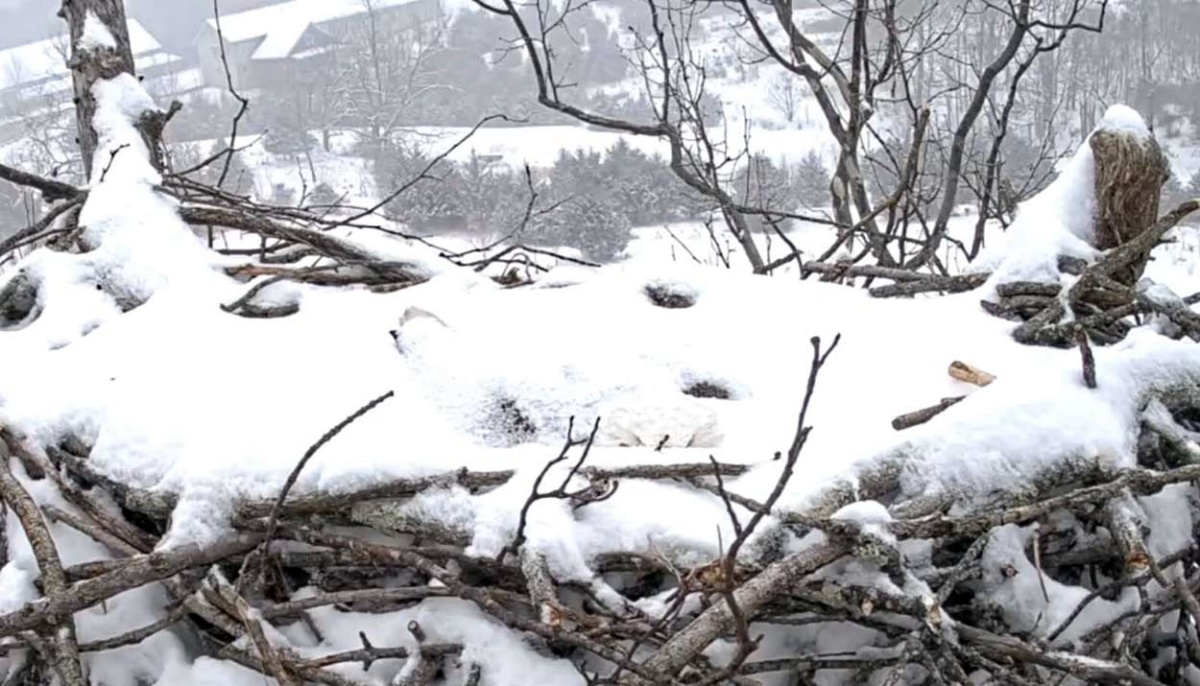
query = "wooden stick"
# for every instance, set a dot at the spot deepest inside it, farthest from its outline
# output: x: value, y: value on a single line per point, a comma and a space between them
x: 968, y: 374
x: 907, y: 421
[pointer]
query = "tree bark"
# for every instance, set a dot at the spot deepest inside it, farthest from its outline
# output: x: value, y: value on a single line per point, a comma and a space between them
x: 93, y: 63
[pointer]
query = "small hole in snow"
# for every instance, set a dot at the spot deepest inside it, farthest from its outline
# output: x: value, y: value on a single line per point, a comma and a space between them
x: 708, y: 389
x: 671, y: 296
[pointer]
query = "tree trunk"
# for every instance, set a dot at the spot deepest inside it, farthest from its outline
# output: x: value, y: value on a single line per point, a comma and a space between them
x: 92, y: 63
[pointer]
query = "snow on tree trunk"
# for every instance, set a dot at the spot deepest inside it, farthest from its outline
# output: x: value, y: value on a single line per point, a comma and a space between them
x: 92, y: 60
x: 100, y: 51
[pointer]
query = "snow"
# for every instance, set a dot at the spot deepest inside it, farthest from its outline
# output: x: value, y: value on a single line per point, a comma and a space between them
x: 1184, y: 158
x: 95, y: 34
x: 1014, y: 584
x: 149, y: 387
x: 179, y: 396
x: 1124, y: 119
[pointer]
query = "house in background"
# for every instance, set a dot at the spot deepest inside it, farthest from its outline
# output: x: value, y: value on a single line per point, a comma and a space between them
x: 39, y: 69
x: 175, y: 22
x: 34, y: 78
x: 265, y: 44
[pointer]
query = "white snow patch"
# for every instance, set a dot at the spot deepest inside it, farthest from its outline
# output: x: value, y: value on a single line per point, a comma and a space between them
x: 95, y: 34
x: 1124, y: 119
x: 1056, y: 221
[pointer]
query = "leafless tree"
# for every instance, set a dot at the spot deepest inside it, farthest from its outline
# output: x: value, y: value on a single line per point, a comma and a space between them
x: 382, y: 71
x: 885, y: 80
x: 785, y: 95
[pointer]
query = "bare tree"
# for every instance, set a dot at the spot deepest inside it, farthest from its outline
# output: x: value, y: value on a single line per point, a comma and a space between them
x: 785, y: 95
x: 383, y: 71
x: 887, y: 50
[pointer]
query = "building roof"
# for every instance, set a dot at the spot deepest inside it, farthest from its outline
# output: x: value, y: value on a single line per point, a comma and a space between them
x: 45, y: 60
x: 280, y: 27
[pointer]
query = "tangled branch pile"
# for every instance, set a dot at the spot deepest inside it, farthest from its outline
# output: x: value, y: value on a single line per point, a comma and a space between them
x: 929, y: 590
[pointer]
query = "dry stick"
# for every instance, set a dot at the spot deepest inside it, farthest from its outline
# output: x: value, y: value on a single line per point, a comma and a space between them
x: 243, y: 102
x: 485, y: 600
x: 962, y: 569
x: 917, y: 417
x: 964, y: 372
x: 266, y: 652
x: 61, y: 626
x: 420, y: 668
x: 536, y: 493
x: 138, y: 635
x: 51, y: 189
x: 739, y: 617
x: 798, y: 441
x: 1037, y: 564
x: 936, y: 283
x: 136, y: 571
x: 776, y: 579
x: 369, y: 654
x: 20, y: 238
x: 1090, y: 669
x: 273, y: 517
x: 541, y: 588
x: 108, y: 525
x: 376, y: 595
x: 1127, y: 534
x: 159, y: 504
x: 303, y: 669
x: 104, y: 526
x: 81, y: 525
x: 1089, y: 361
x: 1137, y: 481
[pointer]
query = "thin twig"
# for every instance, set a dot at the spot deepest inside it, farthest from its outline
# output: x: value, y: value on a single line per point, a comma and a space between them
x: 273, y: 517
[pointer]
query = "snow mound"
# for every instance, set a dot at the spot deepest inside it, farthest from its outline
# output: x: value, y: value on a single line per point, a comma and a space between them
x: 95, y: 34
x: 1057, y: 221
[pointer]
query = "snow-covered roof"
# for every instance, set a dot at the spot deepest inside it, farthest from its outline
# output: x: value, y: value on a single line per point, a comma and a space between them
x: 280, y: 27
x: 44, y: 60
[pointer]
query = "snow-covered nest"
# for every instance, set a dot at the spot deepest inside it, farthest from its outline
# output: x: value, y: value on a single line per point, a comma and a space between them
x: 179, y: 397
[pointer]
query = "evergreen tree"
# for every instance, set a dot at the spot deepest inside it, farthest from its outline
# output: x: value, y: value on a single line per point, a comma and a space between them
x: 812, y: 180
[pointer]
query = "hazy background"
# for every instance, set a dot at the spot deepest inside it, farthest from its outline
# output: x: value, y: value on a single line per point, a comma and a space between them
x: 346, y: 104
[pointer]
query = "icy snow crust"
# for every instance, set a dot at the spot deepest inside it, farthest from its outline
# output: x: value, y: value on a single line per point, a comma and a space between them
x: 180, y: 396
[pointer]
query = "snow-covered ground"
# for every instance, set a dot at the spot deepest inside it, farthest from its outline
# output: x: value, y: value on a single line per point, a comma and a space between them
x: 179, y: 396
x: 182, y: 397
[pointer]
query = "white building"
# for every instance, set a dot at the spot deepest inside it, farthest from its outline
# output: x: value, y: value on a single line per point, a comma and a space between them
x: 39, y: 70
x: 262, y: 43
